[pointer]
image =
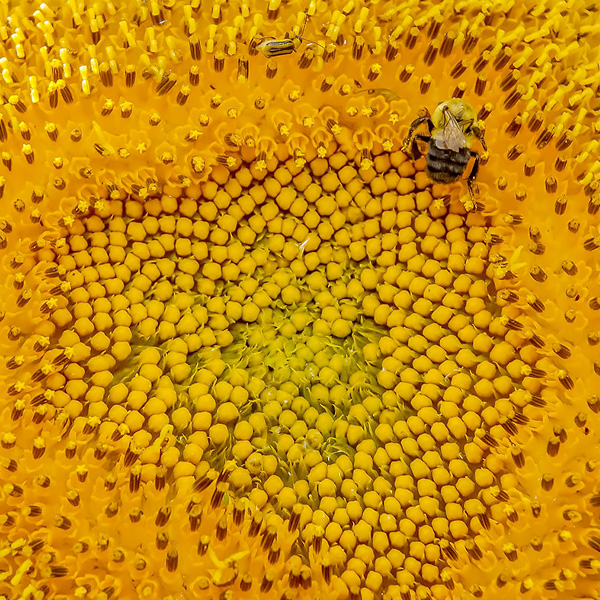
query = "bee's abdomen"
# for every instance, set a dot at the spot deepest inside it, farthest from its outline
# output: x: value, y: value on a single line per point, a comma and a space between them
x: 446, y: 165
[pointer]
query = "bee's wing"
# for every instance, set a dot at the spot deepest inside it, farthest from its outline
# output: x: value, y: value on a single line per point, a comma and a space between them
x: 452, y: 137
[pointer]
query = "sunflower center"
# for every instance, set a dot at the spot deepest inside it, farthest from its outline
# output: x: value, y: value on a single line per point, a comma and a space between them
x: 316, y: 342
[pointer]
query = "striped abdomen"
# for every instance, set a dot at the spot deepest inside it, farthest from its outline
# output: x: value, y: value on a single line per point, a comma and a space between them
x: 445, y: 165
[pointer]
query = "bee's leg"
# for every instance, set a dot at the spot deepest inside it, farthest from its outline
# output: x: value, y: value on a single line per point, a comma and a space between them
x: 414, y: 147
x: 471, y: 179
x: 413, y: 127
x: 479, y: 135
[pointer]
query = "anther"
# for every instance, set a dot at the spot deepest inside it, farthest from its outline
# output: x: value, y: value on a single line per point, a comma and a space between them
x: 330, y: 52
x: 204, y: 482
x: 246, y: 582
x: 485, y: 111
x: 238, y: 513
x: 411, y: 38
x: 425, y: 84
x: 580, y: 419
x: 195, y: 517
x: 514, y: 97
x: 218, y: 495
x: 503, y: 57
x: 565, y: 140
x: 135, y: 514
x: 222, y: 529
x: 448, y: 549
x: 218, y: 62
x: 7, y: 520
x: 10, y: 464
x: 517, y: 456
x: 538, y: 274
x: 162, y: 540
x: 271, y: 69
x: 28, y: 153
x: 62, y: 522
x: 357, y: 47
x: 594, y: 204
x: 459, y: 68
x: 203, y: 545
x: 431, y: 53
x: 551, y: 184
x: 406, y: 73
x: 515, y: 151
x: 473, y: 549
x: 484, y: 520
x: 305, y: 577
x: 547, y: 482
x: 510, y: 551
x: 561, y: 433
x: 80, y: 547
x: 267, y: 583
x: 172, y: 560
x: 480, y: 84
x: 565, y: 380
x: 545, y: 137
x: 509, y: 80
x: 459, y: 90
x: 135, y: 478
x: 106, y: 76
x: 39, y: 447
x: 560, y: 163
x: 42, y: 480
x: 166, y: 84
x: 537, y: 248
x: 508, y: 426
x: 255, y: 525
x: 569, y: 267
x: 553, y: 446
x: 12, y: 489
x: 274, y: 552
x: 486, y: 438
x: 561, y: 350
x: 447, y: 44
x: 594, y: 543
x: 162, y: 516
x: 295, y: 517
x: 268, y: 537
x: 195, y: 48
x: 131, y: 455
x: 139, y: 564
x: 594, y: 403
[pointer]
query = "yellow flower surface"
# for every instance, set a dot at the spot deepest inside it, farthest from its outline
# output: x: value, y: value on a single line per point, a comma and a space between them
x: 250, y: 350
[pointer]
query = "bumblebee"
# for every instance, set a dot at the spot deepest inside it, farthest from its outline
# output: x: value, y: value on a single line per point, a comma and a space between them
x: 452, y: 128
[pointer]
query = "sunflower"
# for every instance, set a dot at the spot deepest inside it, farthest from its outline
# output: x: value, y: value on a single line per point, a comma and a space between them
x: 250, y: 350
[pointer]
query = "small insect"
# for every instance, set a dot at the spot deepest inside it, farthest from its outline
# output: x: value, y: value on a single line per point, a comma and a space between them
x: 273, y: 47
x: 451, y: 131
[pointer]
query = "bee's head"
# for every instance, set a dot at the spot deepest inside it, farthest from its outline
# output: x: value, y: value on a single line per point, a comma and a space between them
x: 457, y: 112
